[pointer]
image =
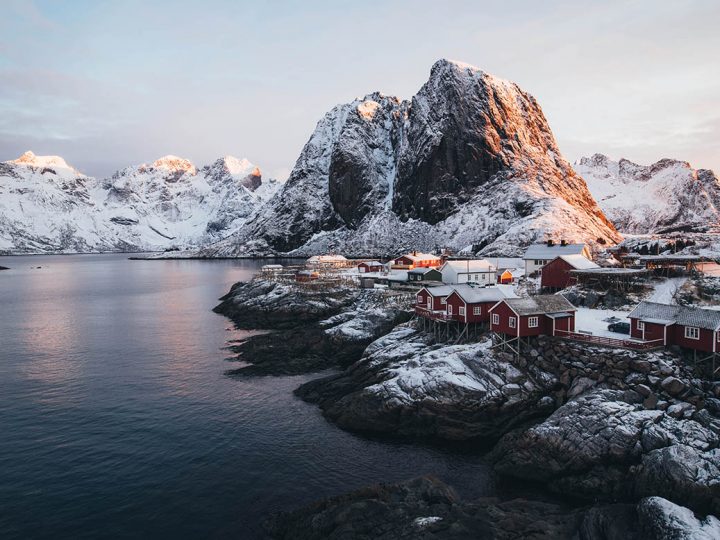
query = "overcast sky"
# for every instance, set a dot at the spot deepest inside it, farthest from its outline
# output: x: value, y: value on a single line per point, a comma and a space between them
x: 108, y: 84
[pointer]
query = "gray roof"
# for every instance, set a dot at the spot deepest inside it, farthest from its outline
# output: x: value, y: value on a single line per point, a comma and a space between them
x: 545, y: 252
x: 421, y: 271
x: 474, y: 295
x: 442, y: 290
x: 534, y: 305
x: 683, y: 315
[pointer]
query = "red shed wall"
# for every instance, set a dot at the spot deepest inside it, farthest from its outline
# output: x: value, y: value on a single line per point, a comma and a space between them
x: 705, y: 343
x: 556, y: 274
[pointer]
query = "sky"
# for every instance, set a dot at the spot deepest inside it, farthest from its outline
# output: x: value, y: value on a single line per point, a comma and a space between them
x: 108, y: 84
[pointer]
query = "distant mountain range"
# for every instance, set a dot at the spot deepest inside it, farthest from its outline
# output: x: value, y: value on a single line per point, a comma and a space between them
x: 667, y: 196
x: 469, y: 162
x: 47, y: 206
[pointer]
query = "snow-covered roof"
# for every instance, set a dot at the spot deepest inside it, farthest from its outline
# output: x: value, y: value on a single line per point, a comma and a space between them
x: 683, y: 315
x: 579, y: 262
x: 417, y: 256
x: 272, y: 266
x: 371, y: 263
x: 442, y: 290
x: 544, y: 252
x: 469, y: 266
x: 534, y: 305
x: 474, y: 295
x: 421, y: 271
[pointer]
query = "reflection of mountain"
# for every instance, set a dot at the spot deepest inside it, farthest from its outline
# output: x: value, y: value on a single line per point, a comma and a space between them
x: 47, y: 206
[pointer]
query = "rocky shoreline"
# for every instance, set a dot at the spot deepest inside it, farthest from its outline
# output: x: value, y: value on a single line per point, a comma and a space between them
x: 591, y: 425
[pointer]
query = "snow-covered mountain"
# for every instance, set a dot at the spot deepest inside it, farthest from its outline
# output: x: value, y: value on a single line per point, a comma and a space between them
x: 663, y: 197
x: 470, y: 160
x: 48, y: 206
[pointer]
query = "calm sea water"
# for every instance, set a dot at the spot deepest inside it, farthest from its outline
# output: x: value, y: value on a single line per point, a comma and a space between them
x: 117, y: 419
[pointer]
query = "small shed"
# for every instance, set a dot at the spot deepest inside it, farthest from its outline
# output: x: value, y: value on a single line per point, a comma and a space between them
x: 424, y: 274
x: 556, y: 274
x: 432, y: 299
x: 366, y: 267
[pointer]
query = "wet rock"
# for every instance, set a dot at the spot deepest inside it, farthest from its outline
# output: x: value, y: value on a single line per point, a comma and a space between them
x: 659, y: 518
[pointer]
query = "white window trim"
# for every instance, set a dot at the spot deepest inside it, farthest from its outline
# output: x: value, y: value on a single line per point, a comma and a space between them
x: 692, y: 332
x: 533, y: 322
x: 495, y: 318
x: 461, y: 310
x: 640, y: 325
x: 449, y: 309
x: 512, y: 322
x: 477, y: 310
x: 443, y: 300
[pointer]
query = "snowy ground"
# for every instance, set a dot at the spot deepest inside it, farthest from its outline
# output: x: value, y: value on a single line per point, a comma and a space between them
x: 596, y: 321
x: 664, y: 290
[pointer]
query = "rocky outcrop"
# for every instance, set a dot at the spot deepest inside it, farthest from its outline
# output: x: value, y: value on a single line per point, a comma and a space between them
x: 406, y: 385
x: 667, y: 196
x: 310, y: 329
x: 425, y: 508
x: 470, y: 160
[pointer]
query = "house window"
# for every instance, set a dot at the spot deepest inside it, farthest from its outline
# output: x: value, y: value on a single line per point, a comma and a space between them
x: 692, y: 332
x: 511, y: 322
x: 443, y: 300
x: 449, y: 309
x: 461, y: 310
x: 477, y: 311
x: 429, y: 303
x: 640, y: 325
x: 419, y: 299
x: 533, y: 322
x: 496, y: 318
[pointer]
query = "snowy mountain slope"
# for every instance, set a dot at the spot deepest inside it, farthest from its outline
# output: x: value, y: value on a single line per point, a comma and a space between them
x: 666, y: 196
x: 47, y: 206
x: 469, y: 160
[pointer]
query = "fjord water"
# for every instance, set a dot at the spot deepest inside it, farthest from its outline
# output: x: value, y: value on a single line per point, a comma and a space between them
x: 118, y: 420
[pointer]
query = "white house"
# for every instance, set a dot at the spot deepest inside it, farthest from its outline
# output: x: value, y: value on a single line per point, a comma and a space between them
x: 477, y: 271
x: 538, y: 255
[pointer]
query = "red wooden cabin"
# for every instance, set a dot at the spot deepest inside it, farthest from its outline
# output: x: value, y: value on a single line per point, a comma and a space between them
x: 431, y: 301
x: 416, y: 260
x: 370, y: 266
x: 472, y: 304
x: 533, y: 316
x: 556, y: 274
x: 689, y: 327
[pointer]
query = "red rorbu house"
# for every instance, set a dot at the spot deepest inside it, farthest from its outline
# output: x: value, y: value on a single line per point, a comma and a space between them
x: 556, y: 274
x: 472, y: 304
x: 370, y: 266
x: 693, y: 328
x: 431, y: 302
x: 546, y: 315
x: 416, y: 260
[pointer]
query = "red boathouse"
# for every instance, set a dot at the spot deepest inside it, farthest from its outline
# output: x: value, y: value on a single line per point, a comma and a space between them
x: 532, y: 316
x: 472, y: 304
x: 556, y: 274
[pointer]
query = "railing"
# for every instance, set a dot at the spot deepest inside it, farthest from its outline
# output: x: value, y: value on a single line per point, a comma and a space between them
x: 431, y: 314
x: 610, y: 342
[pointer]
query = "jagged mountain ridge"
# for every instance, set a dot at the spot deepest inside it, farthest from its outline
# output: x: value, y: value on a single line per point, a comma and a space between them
x: 46, y: 206
x: 470, y: 160
x: 668, y: 195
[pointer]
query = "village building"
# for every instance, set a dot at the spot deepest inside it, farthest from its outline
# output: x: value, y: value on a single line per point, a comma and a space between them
x: 538, y: 255
x: 556, y: 274
x: 327, y: 261
x: 690, y: 327
x: 366, y: 267
x: 269, y: 270
x: 416, y: 259
x: 305, y: 276
x: 507, y: 276
x: 478, y: 271
x: 424, y: 274
x: 547, y: 315
x: 432, y: 301
x: 468, y: 304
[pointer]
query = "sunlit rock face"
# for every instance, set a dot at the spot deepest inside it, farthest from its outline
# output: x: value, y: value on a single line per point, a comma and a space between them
x: 469, y: 160
x: 667, y: 196
x: 48, y: 206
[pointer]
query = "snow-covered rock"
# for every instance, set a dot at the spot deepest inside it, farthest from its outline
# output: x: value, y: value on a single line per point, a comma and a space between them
x: 48, y: 206
x: 470, y: 160
x: 668, y: 195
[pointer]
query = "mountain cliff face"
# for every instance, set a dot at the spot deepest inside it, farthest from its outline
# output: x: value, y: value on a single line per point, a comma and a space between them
x: 470, y: 160
x: 47, y: 206
x: 666, y: 196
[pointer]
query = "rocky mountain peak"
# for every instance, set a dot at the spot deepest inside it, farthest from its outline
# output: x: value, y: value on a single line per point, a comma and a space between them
x: 53, y: 162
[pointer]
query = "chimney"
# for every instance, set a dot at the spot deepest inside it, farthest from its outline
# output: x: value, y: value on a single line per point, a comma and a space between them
x: 563, y: 242
x: 550, y: 243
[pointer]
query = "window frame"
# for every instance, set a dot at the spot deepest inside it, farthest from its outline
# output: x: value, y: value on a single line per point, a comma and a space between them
x: 461, y: 311
x: 495, y: 318
x: 640, y: 325
x: 477, y: 310
x: 534, y: 319
x: 512, y: 322
x: 692, y: 330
